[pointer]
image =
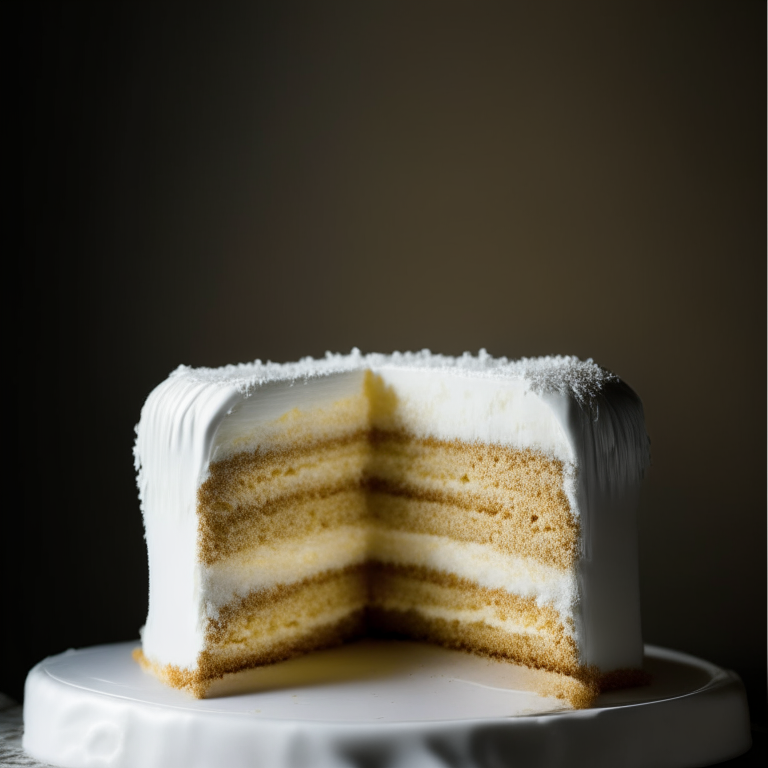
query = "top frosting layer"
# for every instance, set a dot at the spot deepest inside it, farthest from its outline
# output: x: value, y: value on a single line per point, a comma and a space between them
x: 590, y: 405
x: 583, y: 380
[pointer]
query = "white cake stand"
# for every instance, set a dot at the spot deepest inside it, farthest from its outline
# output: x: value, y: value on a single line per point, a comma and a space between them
x: 381, y: 704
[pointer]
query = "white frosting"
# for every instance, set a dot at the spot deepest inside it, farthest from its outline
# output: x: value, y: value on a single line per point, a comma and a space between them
x: 448, y: 404
x: 569, y: 409
x: 257, y: 422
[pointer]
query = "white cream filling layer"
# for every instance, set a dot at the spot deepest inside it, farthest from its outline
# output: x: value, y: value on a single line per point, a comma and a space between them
x: 286, y: 562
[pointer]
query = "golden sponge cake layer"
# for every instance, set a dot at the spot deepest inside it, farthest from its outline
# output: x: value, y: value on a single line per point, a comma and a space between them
x: 507, y: 498
x: 305, y: 514
x: 253, y: 498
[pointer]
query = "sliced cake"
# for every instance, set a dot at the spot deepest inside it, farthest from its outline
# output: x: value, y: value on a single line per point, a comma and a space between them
x: 479, y: 503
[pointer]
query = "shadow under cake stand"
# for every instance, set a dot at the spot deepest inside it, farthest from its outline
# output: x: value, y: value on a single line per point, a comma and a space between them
x: 377, y: 703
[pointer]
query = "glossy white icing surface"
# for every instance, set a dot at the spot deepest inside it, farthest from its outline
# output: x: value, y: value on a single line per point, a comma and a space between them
x: 393, y: 705
x: 569, y: 409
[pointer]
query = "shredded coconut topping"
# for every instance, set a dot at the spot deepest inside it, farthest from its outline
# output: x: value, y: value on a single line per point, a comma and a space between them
x: 566, y: 375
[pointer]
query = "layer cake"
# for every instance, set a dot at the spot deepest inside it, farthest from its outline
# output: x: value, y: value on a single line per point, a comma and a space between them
x: 483, y: 504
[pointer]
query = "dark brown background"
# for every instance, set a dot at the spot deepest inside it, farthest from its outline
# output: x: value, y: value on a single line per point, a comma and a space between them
x: 206, y: 186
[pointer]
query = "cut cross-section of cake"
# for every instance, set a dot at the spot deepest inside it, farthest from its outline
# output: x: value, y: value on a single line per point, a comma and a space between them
x: 479, y: 503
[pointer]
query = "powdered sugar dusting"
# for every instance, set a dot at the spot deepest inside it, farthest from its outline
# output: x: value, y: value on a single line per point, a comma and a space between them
x: 565, y: 375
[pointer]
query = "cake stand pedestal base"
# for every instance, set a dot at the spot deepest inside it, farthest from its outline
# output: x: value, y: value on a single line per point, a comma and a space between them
x: 377, y: 703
